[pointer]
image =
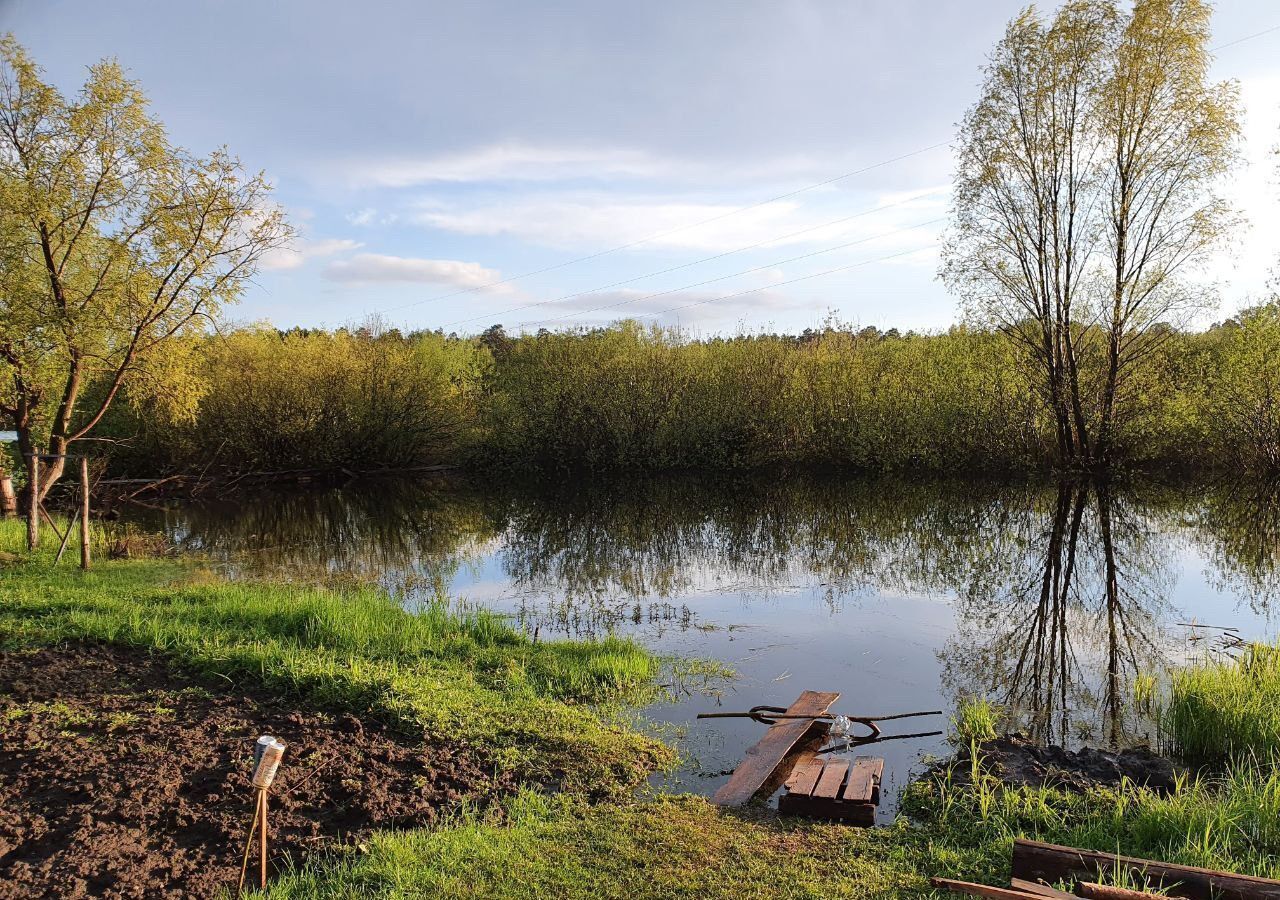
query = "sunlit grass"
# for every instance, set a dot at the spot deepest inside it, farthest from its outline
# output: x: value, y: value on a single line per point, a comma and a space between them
x: 975, y: 720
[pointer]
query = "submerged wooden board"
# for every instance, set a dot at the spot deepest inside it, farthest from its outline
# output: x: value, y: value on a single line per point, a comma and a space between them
x: 1033, y: 860
x: 761, y: 762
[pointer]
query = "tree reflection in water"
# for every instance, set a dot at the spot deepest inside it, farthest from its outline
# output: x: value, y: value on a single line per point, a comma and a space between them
x: 1059, y: 638
x: 1060, y: 591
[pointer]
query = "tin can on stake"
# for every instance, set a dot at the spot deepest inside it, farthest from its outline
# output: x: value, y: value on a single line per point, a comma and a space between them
x: 265, y: 772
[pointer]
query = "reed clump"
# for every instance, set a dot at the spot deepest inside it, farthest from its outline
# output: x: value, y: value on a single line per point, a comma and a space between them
x: 1226, y: 710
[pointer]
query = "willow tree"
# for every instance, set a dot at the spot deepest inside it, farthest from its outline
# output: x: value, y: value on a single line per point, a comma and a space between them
x: 115, y: 247
x: 1086, y: 193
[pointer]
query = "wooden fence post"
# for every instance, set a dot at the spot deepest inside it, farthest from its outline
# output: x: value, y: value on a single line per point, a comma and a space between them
x: 33, y: 509
x: 84, y: 513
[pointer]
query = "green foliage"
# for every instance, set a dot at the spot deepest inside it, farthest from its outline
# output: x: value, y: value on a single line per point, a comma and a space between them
x: 976, y: 720
x: 628, y: 398
x: 671, y: 847
x: 327, y: 400
x: 1226, y: 710
x: 116, y: 248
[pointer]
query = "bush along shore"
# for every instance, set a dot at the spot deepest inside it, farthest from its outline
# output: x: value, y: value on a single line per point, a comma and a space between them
x: 441, y: 754
x: 639, y: 398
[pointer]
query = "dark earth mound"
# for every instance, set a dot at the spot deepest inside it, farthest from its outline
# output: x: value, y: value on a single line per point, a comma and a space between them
x: 120, y: 777
x: 1018, y: 760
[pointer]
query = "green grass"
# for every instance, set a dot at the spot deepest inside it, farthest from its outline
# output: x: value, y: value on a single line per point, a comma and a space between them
x: 683, y: 847
x: 1229, y: 710
x: 539, y: 709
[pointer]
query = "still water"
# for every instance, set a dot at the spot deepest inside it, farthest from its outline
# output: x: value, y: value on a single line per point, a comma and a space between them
x: 902, y: 595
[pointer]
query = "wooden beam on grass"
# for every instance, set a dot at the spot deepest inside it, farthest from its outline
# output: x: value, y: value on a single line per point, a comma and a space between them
x: 1034, y: 860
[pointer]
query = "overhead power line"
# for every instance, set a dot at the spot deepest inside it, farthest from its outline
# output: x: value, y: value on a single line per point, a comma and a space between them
x: 757, y: 290
x: 678, y: 229
x: 689, y: 287
x: 771, y: 265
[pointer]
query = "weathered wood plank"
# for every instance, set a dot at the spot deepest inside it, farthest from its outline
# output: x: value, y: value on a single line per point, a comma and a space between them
x: 804, y: 777
x: 805, y: 751
x: 769, y: 752
x: 1041, y: 890
x: 1107, y: 892
x: 864, y: 780
x: 981, y: 890
x: 828, y: 786
x: 1034, y: 860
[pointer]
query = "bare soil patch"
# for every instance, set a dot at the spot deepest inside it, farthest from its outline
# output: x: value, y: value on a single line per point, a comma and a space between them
x: 122, y: 777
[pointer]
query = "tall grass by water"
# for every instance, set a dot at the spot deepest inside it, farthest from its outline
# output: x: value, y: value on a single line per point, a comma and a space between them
x: 1226, y: 710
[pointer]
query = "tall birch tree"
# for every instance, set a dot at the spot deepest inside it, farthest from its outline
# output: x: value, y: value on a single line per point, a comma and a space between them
x: 1086, y: 193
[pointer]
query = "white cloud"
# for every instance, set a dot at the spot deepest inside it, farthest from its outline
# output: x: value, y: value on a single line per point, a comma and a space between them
x: 578, y: 220
x: 377, y: 267
x: 363, y: 218
x: 506, y: 162
x: 301, y: 251
x: 674, y: 307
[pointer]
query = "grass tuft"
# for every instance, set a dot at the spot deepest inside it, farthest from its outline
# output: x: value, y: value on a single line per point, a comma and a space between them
x: 1225, y: 711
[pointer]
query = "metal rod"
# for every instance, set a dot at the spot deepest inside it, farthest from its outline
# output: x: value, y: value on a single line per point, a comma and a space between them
x: 248, y: 842
x: 763, y: 712
x: 880, y: 738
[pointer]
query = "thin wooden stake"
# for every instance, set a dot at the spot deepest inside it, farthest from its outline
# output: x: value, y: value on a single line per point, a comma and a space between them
x: 262, y: 833
x: 248, y: 842
x: 84, y: 513
x: 66, y: 537
x: 33, y: 510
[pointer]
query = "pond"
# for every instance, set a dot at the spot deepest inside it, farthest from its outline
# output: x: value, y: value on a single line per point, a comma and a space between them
x: 1050, y: 599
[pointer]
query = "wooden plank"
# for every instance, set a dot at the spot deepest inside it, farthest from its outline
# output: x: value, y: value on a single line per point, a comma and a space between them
x: 1107, y: 892
x: 804, y: 752
x: 769, y: 752
x: 981, y: 890
x: 804, y: 777
x: 1040, y: 890
x: 860, y: 814
x: 1034, y: 860
x: 828, y: 786
x: 864, y: 780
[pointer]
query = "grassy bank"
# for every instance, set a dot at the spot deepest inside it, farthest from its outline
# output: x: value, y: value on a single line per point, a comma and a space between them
x: 532, y: 708
x: 683, y: 847
x: 535, y: 708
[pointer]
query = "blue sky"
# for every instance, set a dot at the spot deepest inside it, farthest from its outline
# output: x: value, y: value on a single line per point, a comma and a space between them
x: 426, y: 150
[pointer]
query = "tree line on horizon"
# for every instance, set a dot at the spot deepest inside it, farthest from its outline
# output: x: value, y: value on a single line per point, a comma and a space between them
x: 1088, y: 195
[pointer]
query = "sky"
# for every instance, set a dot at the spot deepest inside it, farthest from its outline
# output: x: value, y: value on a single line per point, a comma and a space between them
x: 722, y: 166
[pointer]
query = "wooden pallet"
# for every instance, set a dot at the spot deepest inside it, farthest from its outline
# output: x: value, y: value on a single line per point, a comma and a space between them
x: 832, y: 789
